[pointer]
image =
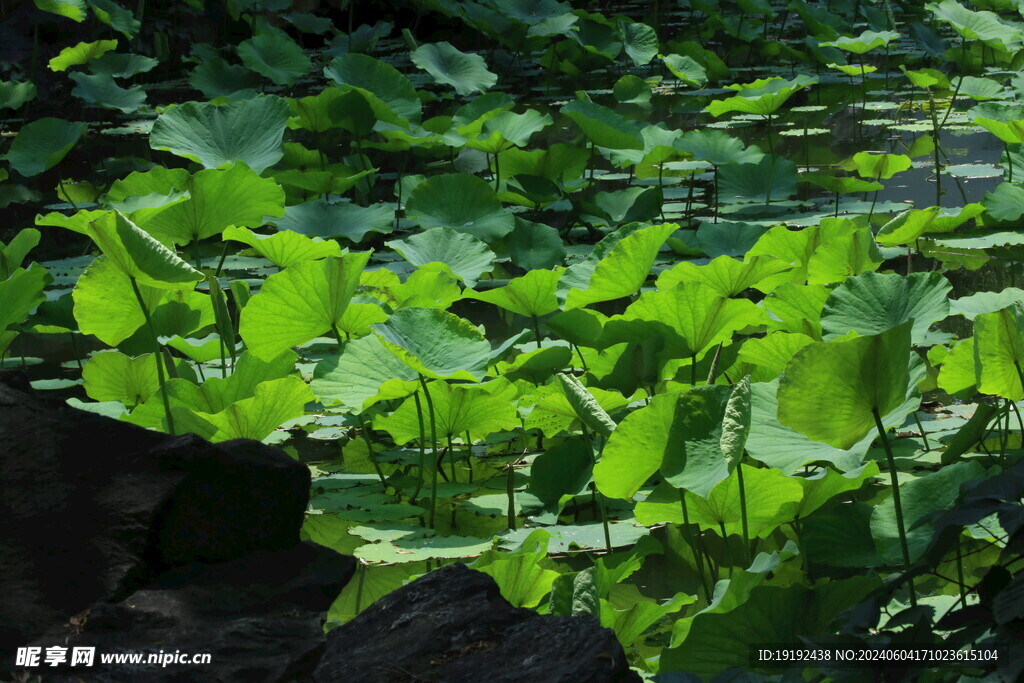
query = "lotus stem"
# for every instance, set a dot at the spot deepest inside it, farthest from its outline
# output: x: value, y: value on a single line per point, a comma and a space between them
x: 897, y: 505
x: 695, y: 545
x: 369, y: 450
x: 598, y: 496
x: 433, y: 446
x: 451, y: 457
x: 510, y: 491
x: 743, y: 513
x: 536, y: 332
x: 924, y: 435
x: 420, y: 443
x: 156, y: 355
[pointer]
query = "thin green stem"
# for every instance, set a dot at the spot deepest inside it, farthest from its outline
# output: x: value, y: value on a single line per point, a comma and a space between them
x: 510, y: 491
x: 896, y: 502
x: 420, y: 443
x: 536, y: 330
x: 691, y: 540
x: 433, y: 452
x: 743, y: 514
x: 924, y: 435
x: 157, y: 355
x: 369, y: 450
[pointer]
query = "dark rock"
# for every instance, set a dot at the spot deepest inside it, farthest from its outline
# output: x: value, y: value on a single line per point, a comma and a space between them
x: 259, y: 617
x: 453, y: 625
x: 91, y: 508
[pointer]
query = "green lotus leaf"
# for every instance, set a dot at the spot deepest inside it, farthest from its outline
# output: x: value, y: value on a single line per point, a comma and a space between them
x: 466, y: 72
x: 532, y: 295
x: 980, y: 89
x: 857, y: 379
x: 113, y: 376
x: 909, y: 225
x: 41, y: 144
x: 13, y: 94
x: 557, y: 475
x: 865, y: 42
x: 585, y: 405
x: 921, y: 497
x: 1005, y: 203
x: 201, y: 350
x: 879, y: 166
x: 717, y: 148
x: 72, y: 9
x: 390, y: 94
x: 464, y: 255
x: 322, y: 218
x: 214, y: 77
x: 436, y: 343
x: 725, y: 275
x: 478, y: 409
x: 274, y: 402
x: 333, y: 108
x: 771, y: 178
x: 553, y: 412
x: 639, y: 41
x: 984, y: 302
x: 840, y: 184
x: 283, y: 248
x: 633, y: 204
x: 999, y: 351
x: 13, y: 253
x: 248, y: 130
x: 686, y: 69
x: 521, y: 576
x: 116, y: 17
x: 984, y: 26
x: 772, y: 352
x: 139, y: 255
x: 871, y: 303
x: 959, y: 370
x: 534, y: 245
x: 462, y: 202
x: 218, y: 198
x: 532, y: 12
x: 272, y: 53
x: 81, y: 54
x: 363, y: 373
x: 101, y: 89
x: 21, y: 292
x: 579, y: 326
x: 763, y: 96
x: 602, y: 126
x: 616, y: 270
x: 105, y: 305
x: 301, y: 302
x: 507, y: 129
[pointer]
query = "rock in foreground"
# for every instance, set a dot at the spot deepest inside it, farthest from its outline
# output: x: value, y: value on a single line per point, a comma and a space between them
x: 453, y: 625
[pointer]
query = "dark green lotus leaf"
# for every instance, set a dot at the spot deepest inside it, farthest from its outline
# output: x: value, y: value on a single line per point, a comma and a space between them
x: 272, y: 53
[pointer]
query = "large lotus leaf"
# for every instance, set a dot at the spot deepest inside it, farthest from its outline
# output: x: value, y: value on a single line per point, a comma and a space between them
x: 717, y: 148
x: 920, y: 498
x: 604, y: 127
x: 532, y: 12
x: 620, y: 271
x: 425, y: 289
x: 771, y: 353
x: 985, y: 302
x: 558, y: 474
x: 585, y: 405
x: 275, y: 55
x: 772, y: 614
x: 678, y: 434
x: 696, y: 317
x: 300, y: 303
x: 909, y: 225
x: 219, y: 198
x: 105, y: 305
x: 461, y: 202
x: 507, y: 129
x: 640, y: 204
x: 13, y: 94
x: 959, y: 371
x: 521, y: 576
x: 531, y: 295
x: 534, y: 245
x: 248, y: 130
x: 771, y: 178
x: 842, y: 256
x: 322, y: 218
x: 363, y: 373
x: 81, y: 54
x: 856, y: 379
x: 333, y: 108
x: 20, y: 293
x: 464, y: 255
x: 41, y: 144
x: 273, y: 403
x: 116, y: 17
x: 122, y: 64
x: 480, y: 409
x: 113, y: 376
x: 686, y: 69
x: 72, y: 9
x: 214, y: 77
x: 865, y: 42
x: 553, y: 411
x: 390, y: 94
x: 1010, y: 131
x: 999, y: 351
x: 100, y: 89
x: 871, y: 303
x: 763, y: 96
x: 13, y: 253
x: 284, y: 248
x: 879, y: 166
x: 725, y: 275
x: 640, y: 42
x: 467, y: 73
x: 436, y: 343
x: 1005, y: 203
x: 139, y: 255
x: 150, y: 189
x: 983, y: 26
